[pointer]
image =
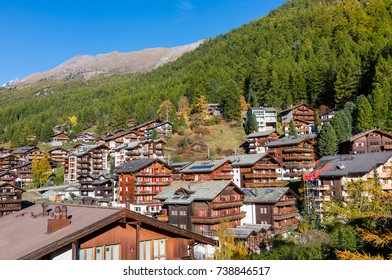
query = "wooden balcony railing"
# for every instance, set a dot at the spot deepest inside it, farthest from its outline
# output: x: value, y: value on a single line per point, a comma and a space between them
x: 263, y: 184
x: 261, y: 175
x: 217, y: 219
x: 226, y: 204
x: 285, y: 215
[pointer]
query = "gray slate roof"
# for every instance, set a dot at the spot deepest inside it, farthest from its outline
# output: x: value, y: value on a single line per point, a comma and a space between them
x: 264, y: 195
x: 203, y: 166
x: 202, y: 190
x: 246, y: 160
x: 134, y: 165
x: 260, y: 134
x: 242, y: 232
x: 84, y: 150
x: 343, y: 165
x: 23, y: 150
x: 289, y: 140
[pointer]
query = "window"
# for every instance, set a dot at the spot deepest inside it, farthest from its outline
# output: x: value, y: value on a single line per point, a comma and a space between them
x: 182, y: 213
x: 183, y: 226
x: 107, y: 252
x: 263, y: 210
x: 174, y: 212
x: 153, y: 249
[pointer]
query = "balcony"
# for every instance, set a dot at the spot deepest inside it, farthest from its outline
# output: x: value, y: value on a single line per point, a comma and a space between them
x: 285, y: 202
x: 293, y: 174
x: 15, y: 208
x: 261, y: 175
x: 146, y: 193
x: 11, y: 200
x: 298, y: 150
x: 297, y: 157
x: 265, y: 166
x: 153, y: 174
x: 285, y: 215
x: 140, y: 183
x: 226, y: 204
x: 222, y: 177
x: 217, y: 219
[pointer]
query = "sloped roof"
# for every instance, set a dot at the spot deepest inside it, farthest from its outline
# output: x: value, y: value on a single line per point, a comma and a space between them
x: 199, y: 191
x: 261, y: 133
x: 242, y: 232
x: 295, y: 106
x: 84, y: 149
x: 203, y: 166
x: 265, y: 195
x: 343, y: 165
x: 359, y: 135
x: 24, y: 233
x: 23, y: 150
x: 136, y: 165
x: 247, y: 160
x: 289, y: 140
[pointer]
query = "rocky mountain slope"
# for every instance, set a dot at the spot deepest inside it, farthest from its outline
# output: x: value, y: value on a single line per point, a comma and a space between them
x: 87, y: 66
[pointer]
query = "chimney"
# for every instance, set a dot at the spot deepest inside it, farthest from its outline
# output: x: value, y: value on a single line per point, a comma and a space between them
x: 58, y: 219
x: 45, y: 209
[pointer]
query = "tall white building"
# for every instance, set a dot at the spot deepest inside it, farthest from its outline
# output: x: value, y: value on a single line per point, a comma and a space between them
x: 266, y: 117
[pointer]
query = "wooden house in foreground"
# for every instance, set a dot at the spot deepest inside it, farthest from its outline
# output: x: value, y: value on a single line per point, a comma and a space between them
x: 10, y: 198
x: 75, y: 232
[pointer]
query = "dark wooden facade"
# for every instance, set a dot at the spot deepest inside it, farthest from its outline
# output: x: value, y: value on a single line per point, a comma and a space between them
x: 215, y: 170
x: 301, y: 112
x: 371, y: 141
x: 140, y: 186
x: 204, y: 214
x: 297, y: 155
x: 256, y: 141
x: 263, y: 174
x: 8, y: 161
x: 57, y: 155
x: 10, y: 198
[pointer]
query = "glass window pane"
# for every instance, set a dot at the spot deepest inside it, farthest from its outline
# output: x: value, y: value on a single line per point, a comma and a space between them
x: 141, y: 250
x: 81, y: 254
x: 108, y: 255
x: 115, y: 252
x: 98, y: 253
x: 162, y: 248
x: 148, y: 250
x: 89, y: 253
x: 156, y: 248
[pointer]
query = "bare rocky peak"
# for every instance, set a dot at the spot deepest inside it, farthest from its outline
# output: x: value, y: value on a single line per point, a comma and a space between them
x: 83, y: 67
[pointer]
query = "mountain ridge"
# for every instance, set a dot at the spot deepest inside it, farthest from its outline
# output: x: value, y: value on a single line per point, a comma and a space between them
x: 84, y: 67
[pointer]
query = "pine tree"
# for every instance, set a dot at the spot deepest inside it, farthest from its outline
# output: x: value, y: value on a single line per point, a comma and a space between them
x: 365, y: 119
x: 327, y: 143
x: 292, y: 129
x: 251, y: 124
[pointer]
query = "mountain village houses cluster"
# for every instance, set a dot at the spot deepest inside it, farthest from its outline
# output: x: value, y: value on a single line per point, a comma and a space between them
x: 149, y: 208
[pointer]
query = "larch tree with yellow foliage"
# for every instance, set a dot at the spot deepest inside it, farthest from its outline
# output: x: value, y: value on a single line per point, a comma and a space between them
x: 369, y: 209
x: 229, y: 248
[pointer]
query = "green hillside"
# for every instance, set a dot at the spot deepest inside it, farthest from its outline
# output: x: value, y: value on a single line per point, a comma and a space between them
x: 318, y: 52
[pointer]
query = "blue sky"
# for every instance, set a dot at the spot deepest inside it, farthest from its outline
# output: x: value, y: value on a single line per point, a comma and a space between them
x: 37, y: 35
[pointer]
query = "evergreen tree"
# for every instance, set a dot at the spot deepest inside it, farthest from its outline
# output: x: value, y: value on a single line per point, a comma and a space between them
x: 252, y: 98
x: 327, y: 143
x: 251, y: 124
x: 365, y: 119
x: 292, y: 129
x: 231, y: 102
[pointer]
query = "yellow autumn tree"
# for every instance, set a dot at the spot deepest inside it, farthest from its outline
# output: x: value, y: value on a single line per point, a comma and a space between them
x: 73, y: 120
x: 165, y: 110
x: 229, y: 248
x: 369, y: 208
x: 40, y: 171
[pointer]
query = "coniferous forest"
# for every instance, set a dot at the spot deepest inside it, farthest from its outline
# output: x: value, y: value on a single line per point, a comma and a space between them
x: 323, y: 52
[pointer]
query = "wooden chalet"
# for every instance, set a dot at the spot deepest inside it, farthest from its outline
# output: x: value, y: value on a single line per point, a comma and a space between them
x: 8, y: 161
x: 23, y: 173
x: 9, y: 177
x: 161, y: 130
x: 328, y: 115
x: 28, y: 153
x: 255, y: 237
x: 10, y: 198
x: 85, y: 137
x: 202, y: 206
x: 96, y: 186
x: 256, y: 141
x: 371, y: 141
x: 119, y: 138
x: 296, y: 154
x: 58, y: 155
x: 334, y: 172
x: 139, y: 150
x: 301, y: 112
x: 76, y: 232
x: 139, y: 181
x: 59, y: 139
x: 302, y: 127
x: 271, y: 206
x: 207, y: 170
x: 87, y: 160
x: 256, y: 170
